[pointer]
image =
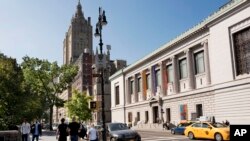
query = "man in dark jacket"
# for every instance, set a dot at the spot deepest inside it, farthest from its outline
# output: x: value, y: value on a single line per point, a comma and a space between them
x: 62, y: 131
x: 36, y: 130
x: 74, y: 129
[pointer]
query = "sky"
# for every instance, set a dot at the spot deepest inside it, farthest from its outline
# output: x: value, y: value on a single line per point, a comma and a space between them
x: 135, y: 27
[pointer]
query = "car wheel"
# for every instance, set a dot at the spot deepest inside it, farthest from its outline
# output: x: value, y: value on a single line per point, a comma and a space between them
x: 191, y: 135
x: 172, y: 132
x: 137, y: 139
x: 218, y: 137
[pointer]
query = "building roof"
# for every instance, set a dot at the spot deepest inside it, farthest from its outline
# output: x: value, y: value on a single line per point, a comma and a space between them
x: 118, y: 73
x: 203, y: 24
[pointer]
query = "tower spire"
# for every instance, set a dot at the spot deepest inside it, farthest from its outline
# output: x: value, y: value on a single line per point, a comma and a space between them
x: 79, y: 12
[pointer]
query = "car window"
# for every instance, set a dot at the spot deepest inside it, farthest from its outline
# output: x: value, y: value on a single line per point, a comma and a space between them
x: 117, y: 126
x: 183, y: 124
x: 196, y: 125
x: 205, y: 125
x: 218, y: 125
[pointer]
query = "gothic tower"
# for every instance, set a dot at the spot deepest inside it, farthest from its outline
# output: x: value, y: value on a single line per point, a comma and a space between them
x: 77, y: 49
x: 78, y: 38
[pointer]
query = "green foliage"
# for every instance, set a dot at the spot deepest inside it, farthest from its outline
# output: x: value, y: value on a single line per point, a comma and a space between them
x: 12, y: 92
x: 78, y: 106
x: 46, y: 80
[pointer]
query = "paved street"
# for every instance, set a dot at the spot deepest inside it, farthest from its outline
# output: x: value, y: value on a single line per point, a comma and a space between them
x: 160, y: 136
x: 146, y: 135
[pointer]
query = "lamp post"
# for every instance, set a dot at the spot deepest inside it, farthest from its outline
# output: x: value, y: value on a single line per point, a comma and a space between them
x: 98, y: 33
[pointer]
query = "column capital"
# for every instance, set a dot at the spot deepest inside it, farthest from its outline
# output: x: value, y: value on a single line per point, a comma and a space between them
x: 164, y: 62
x: 204, y: 42
x: 186, y: 50
x: 172, y: 57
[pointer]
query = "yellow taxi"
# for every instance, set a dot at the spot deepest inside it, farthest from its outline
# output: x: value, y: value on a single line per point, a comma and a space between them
x: 207, y: 130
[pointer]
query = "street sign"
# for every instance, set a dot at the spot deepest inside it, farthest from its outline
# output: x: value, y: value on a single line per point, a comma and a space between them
x: 93, y: 105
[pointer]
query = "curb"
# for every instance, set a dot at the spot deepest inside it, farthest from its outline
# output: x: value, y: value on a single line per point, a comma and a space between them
x: 152, y: 130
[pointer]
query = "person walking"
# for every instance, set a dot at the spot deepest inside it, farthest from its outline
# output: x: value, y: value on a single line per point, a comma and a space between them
x: 83, y: 131
x: 62, y: 131
x: 92, y: 133
x: 25, y: 130
x: 74, y: 129
x: 36, y: 130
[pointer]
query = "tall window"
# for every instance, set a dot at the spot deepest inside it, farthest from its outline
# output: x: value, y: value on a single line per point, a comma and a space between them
x: 199, y: 62
x: 117, y: 95
x: 158, y: 78
x: 131, y: 87
x: 139, y: 84
x: 241, y: 41
x: 170, y: 73
x: 138, y: 116
x: 148, y: 81
x: 146, y: 116
x: 183, y: 68
x: 130, y: 117
x: 199, y: 110
x: 168, y: 115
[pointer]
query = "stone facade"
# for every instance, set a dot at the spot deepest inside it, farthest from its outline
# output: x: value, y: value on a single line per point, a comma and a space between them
x: 199, y: 73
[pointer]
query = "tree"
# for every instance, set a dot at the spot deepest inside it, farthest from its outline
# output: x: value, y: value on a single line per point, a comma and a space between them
x: 78, y: 106
x: 13, y: 97
x: 47, y: 80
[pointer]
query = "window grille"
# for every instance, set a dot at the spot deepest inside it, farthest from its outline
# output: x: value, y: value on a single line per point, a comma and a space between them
x: 241, y: 41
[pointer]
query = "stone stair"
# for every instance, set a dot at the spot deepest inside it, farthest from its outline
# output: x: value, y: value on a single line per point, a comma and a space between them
x: 148, y: 126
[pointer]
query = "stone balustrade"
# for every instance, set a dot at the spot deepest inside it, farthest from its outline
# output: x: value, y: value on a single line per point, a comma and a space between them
x: 11, y: 135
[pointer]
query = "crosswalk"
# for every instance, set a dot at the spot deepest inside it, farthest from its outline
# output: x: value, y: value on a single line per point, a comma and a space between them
x: 154, y: 138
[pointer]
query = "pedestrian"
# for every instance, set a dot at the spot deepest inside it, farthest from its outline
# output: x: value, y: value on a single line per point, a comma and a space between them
x: 92, y: 133
x: 227, y: 123
x: 83, y: 131
x: 74, y: 130
x: 25, y: 130
x: 62, y: 131
x: 36, y: 130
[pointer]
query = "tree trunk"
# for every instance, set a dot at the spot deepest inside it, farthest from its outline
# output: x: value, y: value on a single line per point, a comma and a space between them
x: 50, y: 117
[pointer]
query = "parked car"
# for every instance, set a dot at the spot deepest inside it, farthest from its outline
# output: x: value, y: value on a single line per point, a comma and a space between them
x: 180, y: 128
x: 121, y: 132
x: 208, y: 130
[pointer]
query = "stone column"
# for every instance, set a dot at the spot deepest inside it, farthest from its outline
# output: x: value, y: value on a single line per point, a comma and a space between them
x: 176, y: 75
x: 149, y: 83
x: 135, y: 88
x: 206, y: 60
x: 127, y: 93
x: 190, y: 69
x: 162, y: 65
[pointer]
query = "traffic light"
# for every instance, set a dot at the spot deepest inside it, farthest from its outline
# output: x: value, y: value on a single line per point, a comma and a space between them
x: 93, y: 105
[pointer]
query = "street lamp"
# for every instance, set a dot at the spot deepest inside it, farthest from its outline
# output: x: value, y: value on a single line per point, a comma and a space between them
x: 98, y: 33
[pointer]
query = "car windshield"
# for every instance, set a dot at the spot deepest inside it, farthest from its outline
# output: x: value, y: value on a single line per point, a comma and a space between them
x: 117, y: 126
x: 218, y: 125
x: 184, y: 124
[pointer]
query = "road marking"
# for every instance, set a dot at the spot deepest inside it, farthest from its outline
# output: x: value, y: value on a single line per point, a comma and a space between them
x: 162, y: 138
